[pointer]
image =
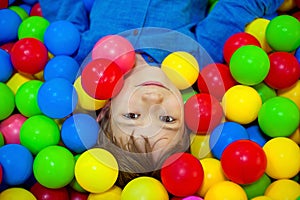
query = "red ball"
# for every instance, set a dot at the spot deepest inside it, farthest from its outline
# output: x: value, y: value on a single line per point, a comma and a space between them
x: 75, y: 195
x: 202, y: 113
x: 36, y: 10
x: 297, y: 15
x: 3, y: 4
x: 102, y: 79
x: 243, y: 162
x: 44, y: 193
x: 297, y: 3
x: 182, y: 174
x: 215, y: 79
x: 237, y: 40
x: 7, y: 46
x: 29, y: 55
x: 284, y: 70
x: 1, y: 174
x: 117, y: 49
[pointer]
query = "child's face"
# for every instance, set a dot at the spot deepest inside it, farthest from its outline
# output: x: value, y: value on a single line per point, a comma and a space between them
x: 148, y: 106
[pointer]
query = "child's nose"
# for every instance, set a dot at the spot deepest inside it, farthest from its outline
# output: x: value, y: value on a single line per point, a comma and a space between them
x: 152, y: 97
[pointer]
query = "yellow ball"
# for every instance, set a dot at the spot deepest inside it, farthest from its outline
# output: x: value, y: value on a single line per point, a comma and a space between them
x: 283, y: 189
x: 96, y: 170
x: 257, y: 28
x: 225, y: 190
x: 296, y: 136
x: 292, y: 93
x: 113, y: 193
x: 17, y: 80
x: 200, y: 146
x: 144, y: 188
x: 283, y: 158
x: 85, y: 101
x: 181, y: 68
x: 213, y: 174
x: 261, y: 198
x: 287, y: 5
x: 241, y: 104
x: 16, y: 194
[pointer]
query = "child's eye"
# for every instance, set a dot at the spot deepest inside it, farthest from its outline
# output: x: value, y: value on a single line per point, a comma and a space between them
x: 132, y: 115
x: 167, y: 119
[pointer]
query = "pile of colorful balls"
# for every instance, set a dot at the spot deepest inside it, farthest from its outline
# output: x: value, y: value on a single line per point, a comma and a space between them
x: 243, y: 114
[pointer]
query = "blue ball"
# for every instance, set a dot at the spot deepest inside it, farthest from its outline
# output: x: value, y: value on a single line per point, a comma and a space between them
x: 224, y: 134
x: 6, y: 67
x: 61, y: 67
x: 9, y: 24
x: 297, y: 54
x: 88, y: 4
x: 31, y: 2
x: 62, y: 38
x: 26, y: 7
x: 57, y: 98
x: 80, y: 132
x: 16, y: 161
x: 256, y: 135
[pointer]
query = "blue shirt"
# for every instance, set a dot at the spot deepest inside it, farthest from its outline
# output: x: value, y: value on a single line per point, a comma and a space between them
x: 157, y: 27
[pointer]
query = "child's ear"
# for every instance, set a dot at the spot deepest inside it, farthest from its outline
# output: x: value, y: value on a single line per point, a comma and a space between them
x: 103, y: 111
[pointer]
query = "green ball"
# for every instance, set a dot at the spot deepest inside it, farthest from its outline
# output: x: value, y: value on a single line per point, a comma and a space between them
x: 26, y: 98
x: 38, y: 132
x: 33, y: 27
x: 265, y: 91
x: 53, y: 167
x: 257, y: 188
x: 249, y: 65
x: 279, y: 117
x: 7, y: 101
x: 283, y: 33
x: 20, y: 11
x: 187, y: 93
x: 1, y: 140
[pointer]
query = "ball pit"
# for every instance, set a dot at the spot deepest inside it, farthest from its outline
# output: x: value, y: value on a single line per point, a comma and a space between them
x: 47, y: 127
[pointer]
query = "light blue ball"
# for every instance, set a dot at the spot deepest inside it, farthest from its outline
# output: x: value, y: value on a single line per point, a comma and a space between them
x: 9, y: 24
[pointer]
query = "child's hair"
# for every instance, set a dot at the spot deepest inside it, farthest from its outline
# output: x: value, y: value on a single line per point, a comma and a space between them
x: 132, y: 160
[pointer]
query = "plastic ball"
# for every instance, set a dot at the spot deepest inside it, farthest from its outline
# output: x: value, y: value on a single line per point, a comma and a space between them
x: 258, y: 187
x: 287, y: 5
x: 7, y: 101
x: 236, y: 41
x: 4, y: 4
x: 282, y: 158
x: 61, y: 67
x: 256, y: 135
x: 57, y: 98
x: 213, y: 174
x: 26, y: 98
x: 279, y: 116
x: 243, y: 162
x: 26, y: 7
x: 36, y: 10
x: 43, y: 193
x: 80, y: 132
x: 7, y: 46
x: 225, y: 190
x: 10, y: 128
x: 9, y: 24
x: 38, y: 132
x: 16, y: 193
x: 117, y: 49
x: 265, y: 92
x: 53, y: 167
x: 6, y: 67
x: 292, y: 93
x: 283, y: 189
x: 88, y: 4
x: 17, y: 80
x: 62, y: 38
x: 249, y: 65
x: 102, y: 79
x: 20, y: 11
x: 224, y: 134
x: 215, y: 79
x: 143, y: 188
x: 2, y: 142
x: 241, y: 104
x: 182, y: 174
x: 1, y: 174
x: 261, y: 198
x: 200, y: 146
x: 29, y: 55
x: 33, y: 27
x: 96, y: 170
x: 283, y: 26
x: 75, y: 195
x: 284, y: 70
x: 16, y: 161
x: 85, y: 101
x: 30, y: 2
x: 113, y: 193
x: 181, y: 68
x: 257, y: 28
x: 202, y: 113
